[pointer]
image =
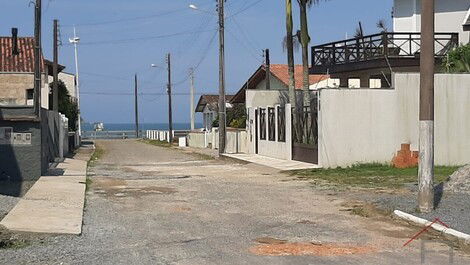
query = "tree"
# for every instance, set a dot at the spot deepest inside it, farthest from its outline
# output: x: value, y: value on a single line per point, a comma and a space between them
x: 236, y: 117
x: 289, y: 44
x: 458, y: 60
x: 67, y: 105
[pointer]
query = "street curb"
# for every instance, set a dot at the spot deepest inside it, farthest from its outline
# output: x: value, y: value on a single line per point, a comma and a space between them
x: 435, y: 226
x: 235, y: 160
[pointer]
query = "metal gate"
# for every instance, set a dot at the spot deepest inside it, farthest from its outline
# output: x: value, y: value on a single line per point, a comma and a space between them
x: 305, y: 133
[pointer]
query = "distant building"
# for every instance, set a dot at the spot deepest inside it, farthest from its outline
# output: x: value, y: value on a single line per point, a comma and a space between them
x: 69, y: 81
x: 450, y: 17
x: 208, y: 106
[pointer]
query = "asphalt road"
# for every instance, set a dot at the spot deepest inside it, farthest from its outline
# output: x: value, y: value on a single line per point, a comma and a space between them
x: 155, y: 205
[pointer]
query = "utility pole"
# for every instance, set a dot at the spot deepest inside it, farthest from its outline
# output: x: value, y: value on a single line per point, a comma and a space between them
x: 268, y: 69
x: 37, y: 58
x: 426, y: 109
x: 170, y: 117
x: 191, y: 97
x: 222, y: 112
x: 55, y: 69
x: 136, y: 105
x: 75, y: 42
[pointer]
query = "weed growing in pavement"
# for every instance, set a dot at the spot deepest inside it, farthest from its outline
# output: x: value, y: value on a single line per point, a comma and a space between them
x: 97, y: 154
x: 155, y: 142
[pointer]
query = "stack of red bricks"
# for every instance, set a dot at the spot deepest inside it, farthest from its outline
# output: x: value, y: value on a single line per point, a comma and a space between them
x: 405, y: 158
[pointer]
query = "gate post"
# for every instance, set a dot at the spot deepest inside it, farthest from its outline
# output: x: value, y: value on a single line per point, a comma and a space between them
x: 289, y: 143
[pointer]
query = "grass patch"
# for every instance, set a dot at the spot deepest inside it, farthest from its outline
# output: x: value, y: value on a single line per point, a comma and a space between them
x: 97, y: 154
x: 155, y: 142
x: 13, y: 244
x: 8, y: 241
x: 371, y: 175
x: 88, y: 183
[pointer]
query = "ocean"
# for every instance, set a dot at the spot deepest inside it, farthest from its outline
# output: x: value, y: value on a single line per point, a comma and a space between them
x: 143, y: 126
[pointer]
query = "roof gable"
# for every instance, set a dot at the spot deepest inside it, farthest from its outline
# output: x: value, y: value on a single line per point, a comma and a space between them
x: 211, y: 101
x: 21, y: 63
x: 466, y: 22
x: 280, y: 72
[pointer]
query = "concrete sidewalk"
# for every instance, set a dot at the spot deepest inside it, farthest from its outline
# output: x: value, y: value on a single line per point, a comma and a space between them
x: 272, y: 162
x: 54, y: 204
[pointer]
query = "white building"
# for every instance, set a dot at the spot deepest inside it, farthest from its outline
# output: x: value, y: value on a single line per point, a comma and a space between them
x: 208, y: 106
x: 451, y: 16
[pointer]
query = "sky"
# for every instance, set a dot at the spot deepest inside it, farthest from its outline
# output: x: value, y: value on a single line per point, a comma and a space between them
x: 121, y: 38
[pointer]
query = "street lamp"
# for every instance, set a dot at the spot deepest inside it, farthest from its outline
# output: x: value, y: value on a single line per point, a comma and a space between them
x: 221, y: 103
x: 195, y: 7
x: 75, y: 41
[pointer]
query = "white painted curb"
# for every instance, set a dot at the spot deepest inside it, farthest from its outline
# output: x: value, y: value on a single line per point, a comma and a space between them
x: 435, y: 226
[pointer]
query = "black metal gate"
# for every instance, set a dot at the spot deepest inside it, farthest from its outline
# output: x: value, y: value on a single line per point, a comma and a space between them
x: 305, y: 133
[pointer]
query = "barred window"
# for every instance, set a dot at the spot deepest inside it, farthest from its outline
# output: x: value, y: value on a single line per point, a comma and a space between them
x: 262, y: 124
x: 281, y: 124
x: 271, y: 124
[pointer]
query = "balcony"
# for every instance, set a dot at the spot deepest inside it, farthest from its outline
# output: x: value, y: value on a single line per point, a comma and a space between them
x: 384, y: 50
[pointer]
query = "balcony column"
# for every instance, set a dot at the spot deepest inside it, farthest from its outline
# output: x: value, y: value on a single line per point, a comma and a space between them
x: 343, y: 81
x: 364, y: 81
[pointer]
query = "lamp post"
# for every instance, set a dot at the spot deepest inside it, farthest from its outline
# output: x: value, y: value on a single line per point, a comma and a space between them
x: 75, y: 41
x: 222, y: 107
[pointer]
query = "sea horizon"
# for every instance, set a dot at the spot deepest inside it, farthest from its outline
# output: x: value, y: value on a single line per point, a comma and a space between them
x: 142, y: 126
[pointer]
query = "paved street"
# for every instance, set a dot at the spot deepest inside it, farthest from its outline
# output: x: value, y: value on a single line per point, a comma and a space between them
x: 155, y: 205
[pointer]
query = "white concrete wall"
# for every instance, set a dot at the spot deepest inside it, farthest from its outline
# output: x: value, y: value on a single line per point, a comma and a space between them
x: 450, y: 15
x: 275, y: 149
x: 263, y: 98
x: 236, y: 141
x: 198, y: 139
x: 368, y: 125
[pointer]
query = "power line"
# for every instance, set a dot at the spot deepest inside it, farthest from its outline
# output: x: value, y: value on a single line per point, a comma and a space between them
x: 243, y: 9
x: 143, y: 38
x: 129, y: 19
x: 243, y: 44
x: 131, y: 94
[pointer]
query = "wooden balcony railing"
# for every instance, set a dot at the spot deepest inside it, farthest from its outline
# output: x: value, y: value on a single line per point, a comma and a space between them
x: 379, y: 46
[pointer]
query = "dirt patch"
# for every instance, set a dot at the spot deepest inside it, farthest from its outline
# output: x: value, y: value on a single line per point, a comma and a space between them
x: 277, y: 247
x: 306, y: 222
x: 181, y: 209
x: 270, y: 240
x: 119, y: 188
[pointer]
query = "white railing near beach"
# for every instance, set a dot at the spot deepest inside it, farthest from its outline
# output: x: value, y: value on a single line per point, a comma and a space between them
x: 160, y: 135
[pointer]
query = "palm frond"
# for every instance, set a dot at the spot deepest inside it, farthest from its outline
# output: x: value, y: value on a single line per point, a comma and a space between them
x: 382, y: 25
x: 295, y: 43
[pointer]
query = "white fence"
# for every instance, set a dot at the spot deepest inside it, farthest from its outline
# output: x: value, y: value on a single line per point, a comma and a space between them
x: 158, y: 135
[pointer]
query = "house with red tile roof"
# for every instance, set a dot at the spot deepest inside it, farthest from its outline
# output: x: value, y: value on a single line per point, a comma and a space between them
x: 269, y: 114
x: 17, y: 73
x: 280, y: 81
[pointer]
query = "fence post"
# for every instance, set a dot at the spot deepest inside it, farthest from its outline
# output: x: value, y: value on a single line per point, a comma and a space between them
x: 288, y: 113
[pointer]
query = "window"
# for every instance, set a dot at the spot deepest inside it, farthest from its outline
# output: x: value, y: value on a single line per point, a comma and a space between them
x: 281, y: 124
x: 262, y: 124
x: 29, y: 94
x: 271, y: 124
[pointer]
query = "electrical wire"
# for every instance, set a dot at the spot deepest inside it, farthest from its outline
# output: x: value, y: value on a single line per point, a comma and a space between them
x: 142, y: 38
x: 165, y: 13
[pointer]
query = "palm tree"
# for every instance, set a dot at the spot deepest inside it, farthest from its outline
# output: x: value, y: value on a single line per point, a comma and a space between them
x: 289, y: 45
x: 305, y: 40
